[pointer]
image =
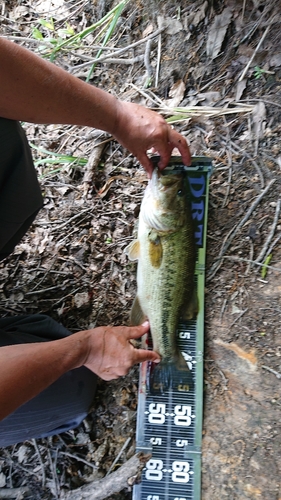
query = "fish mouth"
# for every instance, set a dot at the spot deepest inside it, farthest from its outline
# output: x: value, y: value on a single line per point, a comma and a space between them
x: 158, y: 209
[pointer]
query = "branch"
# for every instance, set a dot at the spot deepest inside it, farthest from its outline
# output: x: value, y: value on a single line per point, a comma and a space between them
x: 126, y: 476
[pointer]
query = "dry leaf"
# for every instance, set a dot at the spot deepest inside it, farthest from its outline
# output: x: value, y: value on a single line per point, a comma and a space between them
x: 173, y: 26
x: 209, y: 98
x: 217, y: 33
x: 259, y: 119
x: 199, y: 14
x: 240, y: 89
x: 176, y: 93
x: 148, y: 30
x: 104, y: 190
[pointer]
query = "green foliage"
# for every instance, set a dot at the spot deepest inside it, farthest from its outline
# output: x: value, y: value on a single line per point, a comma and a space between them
x: 265, y: 266
x: 258, y: 72
x: 52, y: 158
x: 65, y: 38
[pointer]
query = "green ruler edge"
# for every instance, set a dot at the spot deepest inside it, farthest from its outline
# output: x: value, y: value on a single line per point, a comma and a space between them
x: 169, y: 426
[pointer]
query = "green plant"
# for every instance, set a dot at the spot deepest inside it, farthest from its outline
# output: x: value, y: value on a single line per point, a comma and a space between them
x: 258, y: 72
x: 57, y: 159
x: 66, y: 39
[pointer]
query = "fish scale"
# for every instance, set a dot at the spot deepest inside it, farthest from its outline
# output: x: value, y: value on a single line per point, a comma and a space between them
x: 169, y: 426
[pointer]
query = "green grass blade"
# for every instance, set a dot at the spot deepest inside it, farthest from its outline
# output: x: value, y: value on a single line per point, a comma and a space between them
x: 119, y: 9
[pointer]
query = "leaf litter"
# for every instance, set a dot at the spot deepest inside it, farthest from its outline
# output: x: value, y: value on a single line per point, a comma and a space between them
x: 71, y: 264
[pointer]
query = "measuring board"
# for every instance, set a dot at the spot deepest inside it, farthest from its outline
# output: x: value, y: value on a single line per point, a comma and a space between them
x: 169, y: 426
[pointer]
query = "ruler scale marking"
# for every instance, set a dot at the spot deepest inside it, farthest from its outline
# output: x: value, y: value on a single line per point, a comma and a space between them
x: 169, y: 426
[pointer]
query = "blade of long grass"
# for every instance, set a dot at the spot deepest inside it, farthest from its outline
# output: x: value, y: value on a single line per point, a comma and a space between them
x: 85, y: 32
x: 57, y: 158
x: 108, y: 35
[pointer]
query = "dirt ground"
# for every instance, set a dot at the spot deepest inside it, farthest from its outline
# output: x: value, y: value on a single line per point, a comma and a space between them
x: 221, y: 61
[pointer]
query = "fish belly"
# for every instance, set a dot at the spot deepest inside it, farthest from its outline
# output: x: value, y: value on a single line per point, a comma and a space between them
x: 163, y: 290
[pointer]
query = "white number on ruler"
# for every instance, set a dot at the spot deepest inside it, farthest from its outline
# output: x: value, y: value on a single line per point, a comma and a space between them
x: 156, y: 441
x: 180, y: 443
x: 188, y: 360
x: 177, y: 498
x: 156, y: 497
x: 180, y: 474
x: 183, y: 415
x: 153, y: 470
x: 184, y: 335
x: 156, y: 413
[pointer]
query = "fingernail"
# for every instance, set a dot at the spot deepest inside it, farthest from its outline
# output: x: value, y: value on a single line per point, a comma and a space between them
x: 145, y: 324
x: 157, y: 361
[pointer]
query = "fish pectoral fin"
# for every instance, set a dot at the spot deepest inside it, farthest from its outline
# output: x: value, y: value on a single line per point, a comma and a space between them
x: 191, y: 309
x: 133, y: 250
x: 155, y: 249
x: 137, y: 316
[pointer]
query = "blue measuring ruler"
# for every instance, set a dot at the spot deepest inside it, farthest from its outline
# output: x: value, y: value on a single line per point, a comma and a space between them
x: 169, y: 426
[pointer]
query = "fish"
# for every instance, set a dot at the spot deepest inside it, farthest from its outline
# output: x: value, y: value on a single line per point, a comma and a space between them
x: 166, y: 253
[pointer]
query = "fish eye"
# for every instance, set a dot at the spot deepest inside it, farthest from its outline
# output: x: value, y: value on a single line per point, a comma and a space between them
x: 180, y: 192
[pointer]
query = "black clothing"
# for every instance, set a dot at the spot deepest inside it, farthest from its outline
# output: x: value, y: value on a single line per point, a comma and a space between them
x: 64, y: 404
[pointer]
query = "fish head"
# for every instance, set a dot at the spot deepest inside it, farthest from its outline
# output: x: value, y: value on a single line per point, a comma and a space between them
x: 164, y: 202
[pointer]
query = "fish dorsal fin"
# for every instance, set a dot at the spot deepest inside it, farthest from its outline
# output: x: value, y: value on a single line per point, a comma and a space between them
x: 137, y: 316
x: 155, y: 249
x: 133, y: 250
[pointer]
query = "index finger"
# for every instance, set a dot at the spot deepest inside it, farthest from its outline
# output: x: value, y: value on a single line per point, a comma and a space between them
x: 176, y: 140
x: 142, y: 355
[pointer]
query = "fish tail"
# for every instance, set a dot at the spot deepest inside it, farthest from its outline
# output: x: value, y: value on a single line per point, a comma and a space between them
x: 169, y: 375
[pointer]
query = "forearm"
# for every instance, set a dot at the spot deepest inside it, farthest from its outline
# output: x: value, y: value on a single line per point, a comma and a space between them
x: 28, y: 369
x: 35, y: 90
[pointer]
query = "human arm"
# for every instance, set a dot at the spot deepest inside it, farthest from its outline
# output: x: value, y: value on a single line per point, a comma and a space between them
x: 35, y: 90
x: 28, y: 369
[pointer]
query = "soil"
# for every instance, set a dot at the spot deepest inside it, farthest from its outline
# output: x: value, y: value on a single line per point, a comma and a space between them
x: 71, y: 264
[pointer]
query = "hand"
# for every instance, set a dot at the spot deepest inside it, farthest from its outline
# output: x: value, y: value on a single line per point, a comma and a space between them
x: 139, y: 129
x: 111, y: 354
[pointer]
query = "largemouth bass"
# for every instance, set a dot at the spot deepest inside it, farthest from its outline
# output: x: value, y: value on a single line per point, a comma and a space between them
x: 166, y: 254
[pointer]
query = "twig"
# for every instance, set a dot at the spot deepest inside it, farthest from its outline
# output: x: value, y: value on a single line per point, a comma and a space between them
x: 227, y: 241
x: 158, y: 59
x: 119, y: 455
x: 91, y: 168
x: 251, y: 256
x: 89, y: 464
x: 34, y: 442
x: 273, y: 245
x: 229, y: 174
x: 241, y: 259
x: 117, y: 52
x: 277, y: 374
x: 237, y: 149
x: 238, y: 317
x: 17, y: 493
x: 117, y: 481
x: 271, y: 234
x: 144, y: 94
x: 147, y: 63
x: 254, y: 54
x: 54, y: 475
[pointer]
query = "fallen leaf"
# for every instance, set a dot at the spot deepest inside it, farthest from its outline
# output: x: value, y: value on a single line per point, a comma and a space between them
x: 209, y: 98
x: 217, y: 33
x: 259, y: 119
x: 173, y: 26
x: 240, y: 89
x: 196, y: 17
x: 148, y: 30
x: 176, y: 93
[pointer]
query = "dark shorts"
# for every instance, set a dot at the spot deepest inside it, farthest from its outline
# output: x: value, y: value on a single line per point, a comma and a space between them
x: 64, y: 404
